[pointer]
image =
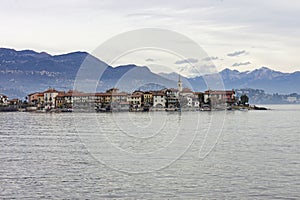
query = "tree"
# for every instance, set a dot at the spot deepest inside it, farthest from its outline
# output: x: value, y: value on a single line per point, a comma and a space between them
x: 209, y: 102
x: 244, y: 99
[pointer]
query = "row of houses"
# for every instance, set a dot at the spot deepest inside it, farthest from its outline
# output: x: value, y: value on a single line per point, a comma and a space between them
x: 5, y: 101
x: 113, y: 99
x: 7, y: 104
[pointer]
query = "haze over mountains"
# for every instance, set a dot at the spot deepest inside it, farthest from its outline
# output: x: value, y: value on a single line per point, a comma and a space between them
x: 27, y: 71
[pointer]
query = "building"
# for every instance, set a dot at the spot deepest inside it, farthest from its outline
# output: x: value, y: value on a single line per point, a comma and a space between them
x: 200, y: 98
x: 64, y: 100
x: 119, y: 97
x: 186, y: 92
x: 111, y: 99
x: 14, y: 102
x: 36, y: 99
x: 291, y: 99
x: 148, y: 99
x: 118, y: 100
x: 50, y: 97
x: 3, y: 99
x: 219, y: 96
x: 193, y: 102
x: 82, y: 100
x: 135, y: 100
x: 159, y: 99
x: 172, y: 98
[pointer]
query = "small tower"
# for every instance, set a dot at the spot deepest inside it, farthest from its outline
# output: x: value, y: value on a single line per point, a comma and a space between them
x: 179, y: 84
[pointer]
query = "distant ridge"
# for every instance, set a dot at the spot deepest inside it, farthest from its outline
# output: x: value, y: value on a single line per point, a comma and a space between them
x: 263, y: 78
x: 27, y: 71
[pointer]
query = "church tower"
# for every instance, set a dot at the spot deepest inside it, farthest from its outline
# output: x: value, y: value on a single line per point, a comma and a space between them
x: 179, y: 84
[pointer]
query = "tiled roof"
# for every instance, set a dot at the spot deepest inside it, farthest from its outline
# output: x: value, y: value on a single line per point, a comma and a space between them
x: 158, y: 94
x: 14, y: 100
x: 36, y: 93
x: 135, y: 95
x: 173, y: 90
x: 219, y: 92
x: 187, y: 90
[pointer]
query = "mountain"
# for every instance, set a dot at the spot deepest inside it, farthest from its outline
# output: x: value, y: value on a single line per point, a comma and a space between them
x: 269, y: 80
x: 27, y: 71
x: 263, y: 78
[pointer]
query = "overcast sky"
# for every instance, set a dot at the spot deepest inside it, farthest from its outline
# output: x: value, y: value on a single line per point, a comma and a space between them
x: 236, y: 34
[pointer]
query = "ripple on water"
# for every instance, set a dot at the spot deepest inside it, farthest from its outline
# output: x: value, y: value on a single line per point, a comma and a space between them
x: 257, y: 156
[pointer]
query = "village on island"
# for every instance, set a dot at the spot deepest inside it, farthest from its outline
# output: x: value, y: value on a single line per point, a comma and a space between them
x: 180, y: 99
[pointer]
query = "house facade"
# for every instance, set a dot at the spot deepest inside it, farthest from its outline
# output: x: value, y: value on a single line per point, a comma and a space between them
x: 159, y: 100
x: 135, y: 100
x: 172, y: 98
x: 50, y: 97
x: 219, y: 96
x: 112, y: 99
x: 3, y: 99
x: 36, y: 99
x: 148, y: 99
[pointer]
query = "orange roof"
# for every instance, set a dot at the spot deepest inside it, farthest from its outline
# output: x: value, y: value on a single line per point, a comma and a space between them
x: 219, y: 92
x: 135, y: 95
x: 186, y: 90
x: 14, y: 100
x: 36, y: 93
x: 158, y: 94
x: 111, y: 94
x: 173, y: 90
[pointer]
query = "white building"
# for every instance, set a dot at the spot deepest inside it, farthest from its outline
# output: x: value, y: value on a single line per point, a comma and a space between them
x: 190, y: 101
x: 159, y: 100
x: 50, y: 97
x: 291, y: 99
x: 3, y: 99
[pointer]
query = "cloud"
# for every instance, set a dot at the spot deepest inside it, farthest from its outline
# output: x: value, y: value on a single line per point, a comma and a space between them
x: 210, y: 58
x: 149, y: 60
x: 189, y: 60
x: 236, y: 53
x: 240, y: 64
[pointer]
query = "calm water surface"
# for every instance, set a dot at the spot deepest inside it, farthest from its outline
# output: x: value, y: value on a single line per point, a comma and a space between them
x: 209, y: 155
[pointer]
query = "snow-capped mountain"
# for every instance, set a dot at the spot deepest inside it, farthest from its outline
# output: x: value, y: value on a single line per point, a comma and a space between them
x: 27, y: 71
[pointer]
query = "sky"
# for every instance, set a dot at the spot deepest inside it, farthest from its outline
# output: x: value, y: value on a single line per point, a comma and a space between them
x: 235, y: 34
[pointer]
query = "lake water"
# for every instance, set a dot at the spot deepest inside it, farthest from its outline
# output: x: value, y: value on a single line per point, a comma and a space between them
x: 161, y: 155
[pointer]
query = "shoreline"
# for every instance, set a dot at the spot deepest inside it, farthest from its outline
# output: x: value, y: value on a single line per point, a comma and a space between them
x: 139, y: 110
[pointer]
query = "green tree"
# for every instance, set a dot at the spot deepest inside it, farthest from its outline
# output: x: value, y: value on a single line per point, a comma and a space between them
x: 244, y: 99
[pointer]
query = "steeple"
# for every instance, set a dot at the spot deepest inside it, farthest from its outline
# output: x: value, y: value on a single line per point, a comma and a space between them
x: 179, y: 84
